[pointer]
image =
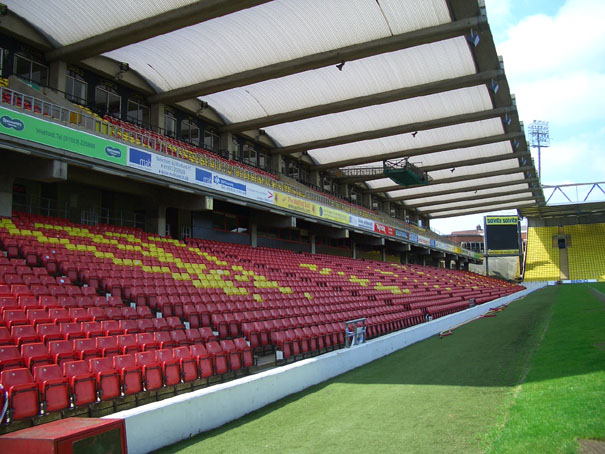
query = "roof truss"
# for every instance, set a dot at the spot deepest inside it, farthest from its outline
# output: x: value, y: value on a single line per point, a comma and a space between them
x: 332, y: 57
x: 148, y: 28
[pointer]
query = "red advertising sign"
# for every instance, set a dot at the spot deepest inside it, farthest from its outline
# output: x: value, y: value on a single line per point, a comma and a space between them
x: 384, y: 229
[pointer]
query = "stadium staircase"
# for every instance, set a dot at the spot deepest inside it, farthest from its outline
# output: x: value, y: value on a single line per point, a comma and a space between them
x: 95, y: 318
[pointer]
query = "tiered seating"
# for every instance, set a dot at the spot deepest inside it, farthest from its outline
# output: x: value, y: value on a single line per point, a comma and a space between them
x: 85, y: 299
x: 542, y: 262
x: 145, y: 137
x: 587, y: 251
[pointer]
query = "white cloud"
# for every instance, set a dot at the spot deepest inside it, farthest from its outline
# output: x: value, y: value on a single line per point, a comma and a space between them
x: 570, y: 98
x: 578, y: 159
x: 540, y: 45
x: 498, y: 11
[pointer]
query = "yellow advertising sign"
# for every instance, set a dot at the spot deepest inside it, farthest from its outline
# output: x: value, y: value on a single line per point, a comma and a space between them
x: 295, y: 204
x: 503, y: 251
x: 334, y: 215
x: 501, y: 220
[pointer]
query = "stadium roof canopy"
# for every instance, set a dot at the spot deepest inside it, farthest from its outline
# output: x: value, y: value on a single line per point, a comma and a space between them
x: 342, y: 84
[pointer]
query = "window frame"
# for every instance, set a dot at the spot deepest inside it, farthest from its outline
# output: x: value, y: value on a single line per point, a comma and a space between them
x: 108, y: 91
x: 76, y: 78
x: 31, y: 62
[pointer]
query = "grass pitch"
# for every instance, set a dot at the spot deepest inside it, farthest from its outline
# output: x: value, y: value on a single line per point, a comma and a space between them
x: 531, y: 379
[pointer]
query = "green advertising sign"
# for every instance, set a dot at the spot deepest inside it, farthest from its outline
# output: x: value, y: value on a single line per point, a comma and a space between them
x: 53, y: 135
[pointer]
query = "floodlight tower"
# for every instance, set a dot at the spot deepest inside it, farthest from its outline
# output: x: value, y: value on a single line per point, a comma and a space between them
x: 539, y: 138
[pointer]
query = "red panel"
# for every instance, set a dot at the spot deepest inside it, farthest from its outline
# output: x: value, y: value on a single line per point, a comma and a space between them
x: 58, y: 437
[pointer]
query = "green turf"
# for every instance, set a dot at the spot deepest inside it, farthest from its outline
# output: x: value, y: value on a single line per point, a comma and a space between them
x: 459, y: 394
x: 563, y: 397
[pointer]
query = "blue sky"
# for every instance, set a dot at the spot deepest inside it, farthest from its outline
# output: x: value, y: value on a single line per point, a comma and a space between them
x: 554, y: 58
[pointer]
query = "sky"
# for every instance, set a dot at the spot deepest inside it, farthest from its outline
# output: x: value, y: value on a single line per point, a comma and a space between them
x: 554, y: 60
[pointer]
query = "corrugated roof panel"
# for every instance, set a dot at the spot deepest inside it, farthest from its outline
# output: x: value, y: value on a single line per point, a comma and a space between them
x: 405, y: 68
x: 457, y: 205
x: 439, y: 105
x: 476, y: 169
x: 460, y: 195
x: 70, y: 21
x: 462, y: 211
x: 412, y: 192
x: 274, y: 32
x: 402, y: 142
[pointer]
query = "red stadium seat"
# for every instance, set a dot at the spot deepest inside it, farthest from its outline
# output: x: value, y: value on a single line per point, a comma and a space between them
x: 153, y: 376
x: 54, y: 387
x: 10, y: 358
x: 23, y: 393
x: 130, y: 373
x: 35, y: 355
x: 205, y: 364
x: 82, y: 382
x: 109, y: 383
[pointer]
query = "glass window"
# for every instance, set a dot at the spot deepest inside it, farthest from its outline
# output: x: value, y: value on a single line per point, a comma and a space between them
x: 237, y: 153
x: 31, y: 70
x: 107, y: 101
x: 210, y: 140
x: 249, y: 155
x: 169, y: 124
x: 264, y: 160
x: 76, y: 88
x: 137, y: 113
x: 190, y: 132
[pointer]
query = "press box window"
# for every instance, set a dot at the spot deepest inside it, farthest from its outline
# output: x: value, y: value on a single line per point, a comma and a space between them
x: 249, y: 155
x: 30, y: 70
x: 210, y: 141
x: 237, y: 154
x: 190, y: 132
x: 76, y: 88
x: 169, y: 124
x: 107, y: 101
x: 137, y: 113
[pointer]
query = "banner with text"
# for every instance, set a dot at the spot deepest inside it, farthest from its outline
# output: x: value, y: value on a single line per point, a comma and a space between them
x: 58, y: 136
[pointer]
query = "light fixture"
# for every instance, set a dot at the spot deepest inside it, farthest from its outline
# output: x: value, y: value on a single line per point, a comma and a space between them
x: 3, y: 9
x: 454, y: 168
x: 124, y: 67
x: 507, y: 120
x: 414, y: 134
x: 493, y: 86
x: 473, y: 38
x: 340, y: 65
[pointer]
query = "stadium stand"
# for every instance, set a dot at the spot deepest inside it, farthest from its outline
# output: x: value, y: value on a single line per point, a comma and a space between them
x: 542, y: 262
x: 587, y: 251
x: 218, y: 305
x: 583, y: 245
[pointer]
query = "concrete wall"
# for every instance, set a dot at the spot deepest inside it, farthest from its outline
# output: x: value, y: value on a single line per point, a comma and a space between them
x: 152, y: 426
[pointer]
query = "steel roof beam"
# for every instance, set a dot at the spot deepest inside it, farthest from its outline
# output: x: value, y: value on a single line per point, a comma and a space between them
x: 479, y: 205
x: 471, y: 197
x: 446, y: 165
x: 399, y: 94
x: 464, y: 189
x: 448, y: 214
x: 396, y: 130
x: 331, y: 57
x: 148, y: 28
x: 420, y: 151
x: 495, y: 173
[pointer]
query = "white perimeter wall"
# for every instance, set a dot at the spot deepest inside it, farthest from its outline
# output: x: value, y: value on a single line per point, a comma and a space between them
x: 155, y: 425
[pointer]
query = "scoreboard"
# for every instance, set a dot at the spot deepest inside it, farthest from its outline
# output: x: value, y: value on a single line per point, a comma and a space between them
x: 502, y: 235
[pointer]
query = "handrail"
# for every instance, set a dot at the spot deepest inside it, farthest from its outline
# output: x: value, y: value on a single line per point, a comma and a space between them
x: 202, y: 157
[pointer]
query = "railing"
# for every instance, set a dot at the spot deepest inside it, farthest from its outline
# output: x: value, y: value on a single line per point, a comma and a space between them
x: 153, y: 141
